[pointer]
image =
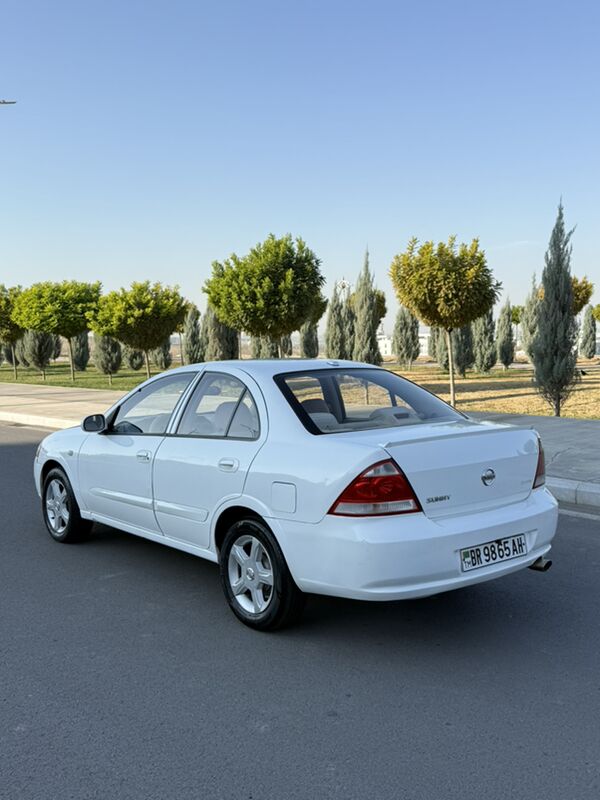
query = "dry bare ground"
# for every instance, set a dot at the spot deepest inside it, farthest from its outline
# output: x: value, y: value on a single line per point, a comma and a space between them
x: 511, y: 391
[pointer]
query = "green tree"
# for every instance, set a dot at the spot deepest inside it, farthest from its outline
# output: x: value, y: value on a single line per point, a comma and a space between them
x: 81, y: 350
x: 441, y: 350
x: 445, y: 285
x: 366, y: 306
x: 141, y: 317
x: 462, y: 345
x: 334, y: 332
x: 529, y: 318
x: 484, y: 343
x: 596, y: 312
x: 270, y: 291
x: 161, y: 355
x: 505, y: 340
x: 58, y: 308
x: 588, y: 334
x: 191, y: 337
x: 38, y: 347
x: 133, y: 358
x: 10, y: 331
x: 405, y: 339
x: 583, y: 289
x: 554, y: 347
x: 223, y: 341
x: 107, y: 356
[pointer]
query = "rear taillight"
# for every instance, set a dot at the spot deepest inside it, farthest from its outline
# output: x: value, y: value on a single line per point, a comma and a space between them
x: 540, y: 472
x: 381, y: 489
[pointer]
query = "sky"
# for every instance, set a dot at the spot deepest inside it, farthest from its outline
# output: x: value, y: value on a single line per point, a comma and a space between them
x: 152, y: 138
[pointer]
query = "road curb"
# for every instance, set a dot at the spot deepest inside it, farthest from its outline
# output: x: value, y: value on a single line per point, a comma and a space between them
x: 36, y: 421
x: 578, y: 493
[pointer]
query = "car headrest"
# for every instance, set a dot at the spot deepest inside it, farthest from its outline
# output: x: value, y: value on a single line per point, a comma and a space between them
x: 222, y: 417
x: 315, y: 405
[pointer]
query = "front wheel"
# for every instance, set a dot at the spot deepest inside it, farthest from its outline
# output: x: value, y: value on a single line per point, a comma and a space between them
x: 255, y: 578
x: 60, y: 509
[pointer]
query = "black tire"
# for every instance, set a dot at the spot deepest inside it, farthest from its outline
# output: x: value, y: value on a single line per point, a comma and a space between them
x: 73, y: 529
x: 284, y: 602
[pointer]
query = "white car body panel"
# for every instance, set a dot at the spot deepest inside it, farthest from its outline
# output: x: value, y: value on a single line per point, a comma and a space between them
x: 291, y: 478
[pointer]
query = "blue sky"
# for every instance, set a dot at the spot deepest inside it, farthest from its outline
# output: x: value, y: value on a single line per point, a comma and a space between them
x: 151, y: 138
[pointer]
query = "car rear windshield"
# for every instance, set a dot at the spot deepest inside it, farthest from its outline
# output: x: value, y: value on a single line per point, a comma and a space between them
x: 339, y: 400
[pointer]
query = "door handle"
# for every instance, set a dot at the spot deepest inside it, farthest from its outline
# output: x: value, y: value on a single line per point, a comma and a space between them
x: 229, y: 464
x: 143, y: 455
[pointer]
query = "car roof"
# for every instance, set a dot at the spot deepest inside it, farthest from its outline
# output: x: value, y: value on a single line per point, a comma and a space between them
x: 267, y: 367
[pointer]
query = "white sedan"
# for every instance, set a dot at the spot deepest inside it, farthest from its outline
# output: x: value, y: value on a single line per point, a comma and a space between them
x: 299, y: 476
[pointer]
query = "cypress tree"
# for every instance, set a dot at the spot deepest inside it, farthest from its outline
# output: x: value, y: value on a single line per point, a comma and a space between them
x: 432, y: 342
x: 133, y: 358
x: 285, y: 346
x: 81, y: 350
x: 529, y: 319
x: 38, y: 348
x: 57, y: 346
x: 20, y: 353
x: 405, y: 340
x: 309, y: 340
x: 462, y: 345
x: 161, y: 356
x: 505, y: 340
x: 484, y: 345
x: 588, y: 334
x: 554, y: 347
x: 348, y: 325
x: 222, y: 341
x: 191, y: 337
x: 107, y: 356
x: 7, y: 351
x: 441, y: 350
x: 334, y: 332
x: 366, y: 347
x: 255, y: 347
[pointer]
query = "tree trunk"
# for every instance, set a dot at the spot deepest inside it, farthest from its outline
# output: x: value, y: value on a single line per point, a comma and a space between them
x: 147, y: 360
x: 43, y: 374
x: 14, y: 361
x: 109, y: 379
x: 239, y: 345
x: 70, y: 343
x: 451, y: 367
x: 557, y: 407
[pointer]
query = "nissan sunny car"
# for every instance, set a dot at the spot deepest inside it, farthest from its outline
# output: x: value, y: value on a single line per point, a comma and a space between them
x: 304, y: 476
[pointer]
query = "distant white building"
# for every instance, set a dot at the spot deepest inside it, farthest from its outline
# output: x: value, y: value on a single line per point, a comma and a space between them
x: 385, y: 343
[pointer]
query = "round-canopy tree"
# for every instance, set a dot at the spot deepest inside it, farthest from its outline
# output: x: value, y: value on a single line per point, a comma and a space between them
x: 445, y: 285
x: 10, y: 332
x: 58, y: 308
x: 270, y: 291
x: 142, y: 317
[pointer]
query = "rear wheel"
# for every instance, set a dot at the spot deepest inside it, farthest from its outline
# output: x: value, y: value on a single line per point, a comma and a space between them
x: 61, y: 512
x: 255, y: 578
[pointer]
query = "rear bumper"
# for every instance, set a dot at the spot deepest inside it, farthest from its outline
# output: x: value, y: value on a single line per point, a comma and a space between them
x: 390, y: 558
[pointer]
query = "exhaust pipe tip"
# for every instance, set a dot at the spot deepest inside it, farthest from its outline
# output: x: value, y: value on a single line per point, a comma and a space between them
x: 541, y: 564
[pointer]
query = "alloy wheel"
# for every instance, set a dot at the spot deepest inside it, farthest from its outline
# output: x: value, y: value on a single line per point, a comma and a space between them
x: 57, y: 506
x: 250, y: 573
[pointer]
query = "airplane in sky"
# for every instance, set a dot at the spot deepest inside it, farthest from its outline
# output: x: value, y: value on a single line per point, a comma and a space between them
x: 7, y: 102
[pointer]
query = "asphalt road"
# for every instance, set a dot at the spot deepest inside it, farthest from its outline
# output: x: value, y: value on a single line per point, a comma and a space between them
x: 124, y: 675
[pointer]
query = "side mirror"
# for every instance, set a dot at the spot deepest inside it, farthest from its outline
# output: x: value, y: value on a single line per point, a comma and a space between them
x: 96, y: 423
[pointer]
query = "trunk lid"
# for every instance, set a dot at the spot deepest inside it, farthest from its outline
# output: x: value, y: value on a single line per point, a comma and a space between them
x: 463, y: 466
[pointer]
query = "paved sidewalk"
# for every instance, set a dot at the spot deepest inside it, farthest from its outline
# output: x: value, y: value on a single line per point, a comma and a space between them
x: 51, y: 406
x: 572, y: 446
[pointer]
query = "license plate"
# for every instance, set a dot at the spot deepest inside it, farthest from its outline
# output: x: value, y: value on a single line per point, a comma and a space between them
x: 482, y: 555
